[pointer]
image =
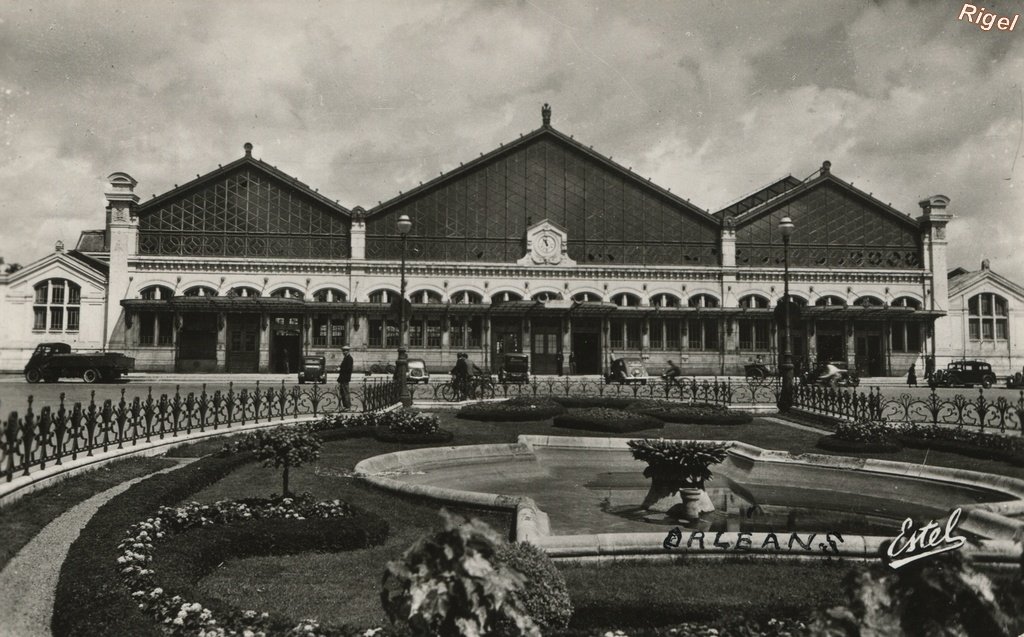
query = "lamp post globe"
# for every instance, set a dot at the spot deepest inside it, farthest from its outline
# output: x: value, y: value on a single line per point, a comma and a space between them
x: 785, y: 403
x: 404, y: 225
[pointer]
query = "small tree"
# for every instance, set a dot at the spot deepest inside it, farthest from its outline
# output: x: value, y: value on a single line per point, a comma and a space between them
x: 285, y: 447
x: 453, y: 583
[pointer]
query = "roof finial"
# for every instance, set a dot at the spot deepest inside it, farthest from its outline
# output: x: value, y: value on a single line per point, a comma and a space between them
x: 826, y: 167
x: 545, y: 114
x: 248, y: 149
x: 985, y: 265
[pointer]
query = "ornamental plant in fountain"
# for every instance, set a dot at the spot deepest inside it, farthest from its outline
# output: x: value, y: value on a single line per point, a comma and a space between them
x: 286, y: 446
x: 678, y: 466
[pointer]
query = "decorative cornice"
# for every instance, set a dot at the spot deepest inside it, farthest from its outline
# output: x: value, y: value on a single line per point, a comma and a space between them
x: 838, y: 276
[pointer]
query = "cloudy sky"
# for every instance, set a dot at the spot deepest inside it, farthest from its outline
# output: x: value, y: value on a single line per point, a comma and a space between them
x: 712, y: 99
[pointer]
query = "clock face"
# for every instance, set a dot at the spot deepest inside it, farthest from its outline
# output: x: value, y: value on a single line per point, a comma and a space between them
x: 547, y: 245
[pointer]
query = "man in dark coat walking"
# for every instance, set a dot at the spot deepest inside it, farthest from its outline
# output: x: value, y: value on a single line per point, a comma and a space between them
x: 344, y: 378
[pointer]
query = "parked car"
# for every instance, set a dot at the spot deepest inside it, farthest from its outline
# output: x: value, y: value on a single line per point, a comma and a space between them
x: 515, y: 368
x: 52, y: 361
x: 627, y: 371
x: 314, y: 370
x: 417, y: 372
x: 965, y: 374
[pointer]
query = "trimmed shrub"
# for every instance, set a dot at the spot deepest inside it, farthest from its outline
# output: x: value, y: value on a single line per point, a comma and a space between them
x: 969, y: 449
x: 835, y: 443
x: 284, y: 447
x: 516, y: 409
x: 412, y: 428
x: 866, y: 431
x: 452, y: 584
x: 696, y: 414
x: 546, y: 595
x: 606, y: 419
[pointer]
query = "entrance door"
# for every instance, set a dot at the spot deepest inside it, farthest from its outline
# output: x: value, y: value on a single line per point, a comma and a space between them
x: 586, y: 352
x: 243, y: 346
x: 285, y: 344
x: 870, y: 355
x: 197, y: 343
x: 545, y: 346
x: 506, y: 336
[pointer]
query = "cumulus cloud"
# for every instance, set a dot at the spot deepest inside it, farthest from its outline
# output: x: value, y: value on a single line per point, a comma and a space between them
x: 363, y: 99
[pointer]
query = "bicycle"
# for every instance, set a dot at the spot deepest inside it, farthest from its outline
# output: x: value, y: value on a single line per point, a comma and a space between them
x: 476, y: 387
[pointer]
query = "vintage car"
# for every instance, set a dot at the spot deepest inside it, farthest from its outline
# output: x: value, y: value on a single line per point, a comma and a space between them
x: 314, y: 370
x: 515, y: 368
x: 627, y: 371
x: 417, y: 372
x: 52, y: 361
x: 964, y: 374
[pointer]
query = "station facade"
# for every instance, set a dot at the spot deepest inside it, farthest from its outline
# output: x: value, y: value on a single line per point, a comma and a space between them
x: 542, y: 246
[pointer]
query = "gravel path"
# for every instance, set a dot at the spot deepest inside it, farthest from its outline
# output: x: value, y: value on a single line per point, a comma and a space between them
x: 29, y: 581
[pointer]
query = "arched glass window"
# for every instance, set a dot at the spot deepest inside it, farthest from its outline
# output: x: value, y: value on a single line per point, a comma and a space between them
x: 906, y: 301
x: 829, y: 301
x: 625, y: 299
x: 544, y: 297
x: 869, y: 301
x: 200, y: 290
x: 795, y: 300
x: 425, y: 296
x: 56, y: 307
x: 243, y: 291
x: 503, y: 297
x: 988, y: 317
x: 754, y: 301
x: 288, y: 293
x: 467, y: 298
x: 703, y: 300
x: 329, y: 295
x: 382, y: 296
x: 156, y: 292
x: 665, y: 300
x: 586, y: 297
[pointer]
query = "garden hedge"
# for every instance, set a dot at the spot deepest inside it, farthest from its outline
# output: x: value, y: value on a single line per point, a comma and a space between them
x: 696, y: 414
x: 512, y: 410
x: 90, y: 599
x: 433, y: 437
x: 834, y: 443
x: 607, y: 420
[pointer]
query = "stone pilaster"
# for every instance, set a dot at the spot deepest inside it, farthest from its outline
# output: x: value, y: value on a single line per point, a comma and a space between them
x: 934, y: 218
x: 122, y: 235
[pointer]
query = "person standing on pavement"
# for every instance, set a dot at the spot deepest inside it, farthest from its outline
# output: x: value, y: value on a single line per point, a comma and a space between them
x: 912, y: 375
x: 345, y: 377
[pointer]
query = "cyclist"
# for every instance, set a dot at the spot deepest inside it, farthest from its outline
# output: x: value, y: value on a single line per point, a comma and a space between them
x: 673, y: 372
x: 460, y: 375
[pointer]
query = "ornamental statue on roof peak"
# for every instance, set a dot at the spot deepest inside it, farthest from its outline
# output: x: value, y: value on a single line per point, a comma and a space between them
x: 545, y: 115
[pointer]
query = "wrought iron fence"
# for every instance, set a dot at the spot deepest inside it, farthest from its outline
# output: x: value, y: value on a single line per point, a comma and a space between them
x: 1000, y: 414
x: 50, y: 435
x: 719, y: 391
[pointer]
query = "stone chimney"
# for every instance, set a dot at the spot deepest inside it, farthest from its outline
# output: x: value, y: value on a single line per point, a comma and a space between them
x: 545, y: 115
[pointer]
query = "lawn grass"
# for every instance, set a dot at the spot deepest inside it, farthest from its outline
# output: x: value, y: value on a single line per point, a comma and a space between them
x: 23, y: 519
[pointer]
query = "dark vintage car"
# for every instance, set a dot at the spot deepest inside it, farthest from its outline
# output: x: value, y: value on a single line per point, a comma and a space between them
x: 627, y: 371
x: 515, y: 368
x: 314, y: 370
x: 417, y: 372
x: 965, y: 374
x: 52, y: 361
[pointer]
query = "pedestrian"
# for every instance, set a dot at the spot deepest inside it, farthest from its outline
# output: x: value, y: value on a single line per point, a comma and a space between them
x: 558, y: 361
x: 572, y: 362
x: 287, y: 361
x: 345, y: 377
x: 912, y: 375
x: 460, y: 375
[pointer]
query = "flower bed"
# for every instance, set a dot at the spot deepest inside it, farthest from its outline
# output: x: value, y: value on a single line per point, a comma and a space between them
x: 582, y: 402
x: 412, y: 427
x: 521, y: 408
x: 606, y: 419
x: 863, y: 436
x: 967, y: 442
x: 694, y: 414
x: 208, y: 535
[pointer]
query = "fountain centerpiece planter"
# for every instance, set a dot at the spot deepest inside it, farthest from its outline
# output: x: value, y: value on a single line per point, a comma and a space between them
x: 679, y: 466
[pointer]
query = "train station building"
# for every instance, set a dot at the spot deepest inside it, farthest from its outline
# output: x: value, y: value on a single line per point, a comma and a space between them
x: 543, y: 246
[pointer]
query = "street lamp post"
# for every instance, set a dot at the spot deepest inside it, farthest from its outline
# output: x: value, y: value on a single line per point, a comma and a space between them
x: 786, y: 395
x: 402, y: 364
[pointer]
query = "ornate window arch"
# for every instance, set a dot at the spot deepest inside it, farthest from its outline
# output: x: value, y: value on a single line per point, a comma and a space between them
x: 467, y: 297
x: 243, y: 291
x: 200, y: 290
x: 288, y: 293
x: 57, y: 306
x: 329, y: 295
x: 626, y: 299
x: 665, y: 300
x: 546, y: 296
x: 830, y: 300
x: 702, y: 300
x: 906, y: 301
x: 503, y: 297
x: 425, y: 297
x: 988, y: 317
x: 382, y: 296
x: 868, y: 301
x: 586, y: 297
x: 754, y: 301
x: 156, y: 292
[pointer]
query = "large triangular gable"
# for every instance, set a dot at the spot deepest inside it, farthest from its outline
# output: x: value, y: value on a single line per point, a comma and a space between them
x: 245, y: 209
x: 836, y: 225
x: 481, y: 210
x: 984, y: 280
x: 61, y: 265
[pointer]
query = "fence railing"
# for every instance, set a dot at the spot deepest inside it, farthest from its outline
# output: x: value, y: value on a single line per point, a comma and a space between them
x: 1000, y: 414
x: 719, y: 391
x: 43, y: 435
